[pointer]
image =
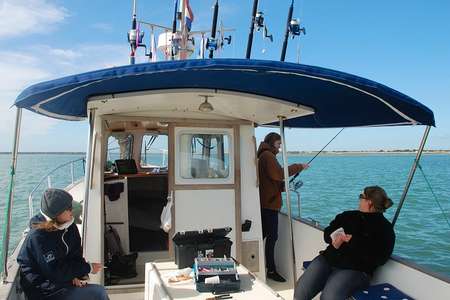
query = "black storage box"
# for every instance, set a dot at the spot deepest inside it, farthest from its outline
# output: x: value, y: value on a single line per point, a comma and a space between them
x: 203, y: 243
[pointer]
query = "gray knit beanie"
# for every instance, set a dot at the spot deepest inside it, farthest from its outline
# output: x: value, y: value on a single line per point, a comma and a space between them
x: 55, y: 201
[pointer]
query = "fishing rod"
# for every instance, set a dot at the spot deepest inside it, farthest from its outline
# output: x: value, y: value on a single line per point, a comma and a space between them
x: 135, y: 36
x: 286, y: 34
x: 213, y: 42
x: 292, y: 28
x: 132, y: 35
x: 317, y: 154
x: 174, y: 29
x: 252, y: 28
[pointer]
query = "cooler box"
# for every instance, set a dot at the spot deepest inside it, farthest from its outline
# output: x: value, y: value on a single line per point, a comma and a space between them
x: 203, y: 243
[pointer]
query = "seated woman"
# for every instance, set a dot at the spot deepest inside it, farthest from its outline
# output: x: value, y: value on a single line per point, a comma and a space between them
x: 359, y: 241
x: 51, y: 261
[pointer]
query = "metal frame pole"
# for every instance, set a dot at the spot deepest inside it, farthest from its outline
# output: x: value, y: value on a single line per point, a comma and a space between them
x: 288, y: 194
x: 411, y: 174
x: 87, y: 174
x: 9, y: 204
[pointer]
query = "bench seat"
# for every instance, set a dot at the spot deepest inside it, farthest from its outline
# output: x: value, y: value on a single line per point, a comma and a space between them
x: 383, y: 291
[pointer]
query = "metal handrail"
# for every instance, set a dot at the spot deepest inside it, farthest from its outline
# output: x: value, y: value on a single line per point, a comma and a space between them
x: 47, y: 177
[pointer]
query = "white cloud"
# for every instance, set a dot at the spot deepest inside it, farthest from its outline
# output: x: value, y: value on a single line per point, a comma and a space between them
x: 18, y: 17
x: 65, y: 54
x: 106, y: 27
x: 18, y: 70
x: 21, y: 69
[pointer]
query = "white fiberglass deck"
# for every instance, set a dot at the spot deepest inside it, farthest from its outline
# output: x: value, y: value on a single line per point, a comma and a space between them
x: 158, y: 287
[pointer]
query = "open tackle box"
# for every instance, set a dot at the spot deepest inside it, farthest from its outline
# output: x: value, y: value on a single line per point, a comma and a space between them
x: 201, y: 243
x: 216, y: 275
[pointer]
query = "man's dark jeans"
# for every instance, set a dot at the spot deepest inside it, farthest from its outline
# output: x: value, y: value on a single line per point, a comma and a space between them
x: 270, y: 233
x: 335, y: 284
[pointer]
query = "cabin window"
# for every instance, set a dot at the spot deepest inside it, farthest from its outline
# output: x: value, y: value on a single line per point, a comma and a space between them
x: 154, y: 151
x: 204, y: 156
x: 120, y: 146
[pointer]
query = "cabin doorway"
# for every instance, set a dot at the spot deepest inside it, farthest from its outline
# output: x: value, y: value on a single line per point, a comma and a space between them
x: 147, y: 196
x: 134, y: 201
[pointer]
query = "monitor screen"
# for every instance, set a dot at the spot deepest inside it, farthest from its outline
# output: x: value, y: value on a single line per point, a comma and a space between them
x: 126, y: 166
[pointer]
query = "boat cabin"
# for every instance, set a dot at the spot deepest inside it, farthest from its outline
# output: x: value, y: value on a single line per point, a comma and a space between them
x: 203, y: 161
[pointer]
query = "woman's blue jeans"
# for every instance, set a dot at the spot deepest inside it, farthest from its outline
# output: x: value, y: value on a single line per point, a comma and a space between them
x: 333, y: 282
x: 88, y: 292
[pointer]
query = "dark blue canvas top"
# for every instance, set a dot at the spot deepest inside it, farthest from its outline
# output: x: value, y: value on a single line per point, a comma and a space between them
x: 338, y: 99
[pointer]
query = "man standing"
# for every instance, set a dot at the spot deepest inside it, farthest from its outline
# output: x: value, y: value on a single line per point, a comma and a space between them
x: 271, y: 178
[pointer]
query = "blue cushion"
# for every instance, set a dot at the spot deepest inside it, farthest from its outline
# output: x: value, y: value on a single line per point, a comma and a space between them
x: 306, y: 264
x: 384, y: 291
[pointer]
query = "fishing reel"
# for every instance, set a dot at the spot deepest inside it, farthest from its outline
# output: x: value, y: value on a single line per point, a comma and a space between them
x: 295, y: 29
x: 135, y: 37
x: 176, y: 45
x: 211, y: 44
x: 259, y: 20
x: 296, y: 185
x: 225, y: 41
x: 132, y: 36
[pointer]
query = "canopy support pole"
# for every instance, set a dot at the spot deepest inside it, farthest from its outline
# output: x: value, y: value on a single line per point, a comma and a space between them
x: 9, y: 204
x: 411, y: 174
x: 87, y: 174
x: 288, y: 194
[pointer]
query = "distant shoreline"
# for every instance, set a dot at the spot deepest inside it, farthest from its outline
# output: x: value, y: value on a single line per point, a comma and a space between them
x: 62, y: 153
x: 369, y: 152
x: 307, y: 153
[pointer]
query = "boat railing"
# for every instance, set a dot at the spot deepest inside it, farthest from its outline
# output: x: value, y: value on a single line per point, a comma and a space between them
x: 47, y: 178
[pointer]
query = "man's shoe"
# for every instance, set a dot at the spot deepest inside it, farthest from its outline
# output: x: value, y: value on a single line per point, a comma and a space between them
x: 275, y: 276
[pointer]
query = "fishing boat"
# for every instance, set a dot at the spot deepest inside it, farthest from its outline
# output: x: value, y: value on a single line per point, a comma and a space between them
x: 205, y: 111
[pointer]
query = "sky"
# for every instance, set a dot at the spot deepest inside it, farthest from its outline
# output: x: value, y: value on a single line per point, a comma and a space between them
x: 403, y: 44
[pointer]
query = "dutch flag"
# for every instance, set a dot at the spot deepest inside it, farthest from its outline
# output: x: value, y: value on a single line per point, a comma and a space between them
x: 189, y: 15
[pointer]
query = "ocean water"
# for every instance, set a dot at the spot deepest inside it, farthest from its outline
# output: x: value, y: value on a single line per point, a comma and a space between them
x: 331, y: 185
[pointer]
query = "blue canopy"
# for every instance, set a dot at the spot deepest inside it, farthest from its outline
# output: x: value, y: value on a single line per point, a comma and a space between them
x: 338, y: 99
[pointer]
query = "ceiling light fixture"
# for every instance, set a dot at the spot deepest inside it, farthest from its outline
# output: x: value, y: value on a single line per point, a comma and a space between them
x: 205, y: 106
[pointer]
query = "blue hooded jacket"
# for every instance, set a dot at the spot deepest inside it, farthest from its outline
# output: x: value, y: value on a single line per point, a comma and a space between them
x: 49, y: 261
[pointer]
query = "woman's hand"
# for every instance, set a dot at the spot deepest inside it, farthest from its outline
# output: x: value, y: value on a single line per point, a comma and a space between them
x: 78, y: 283
x: 341, y: 238
x: 96, y: 267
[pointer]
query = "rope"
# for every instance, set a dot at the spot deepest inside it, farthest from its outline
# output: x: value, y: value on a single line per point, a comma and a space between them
x: 434, y: 195
x: 317, y: 154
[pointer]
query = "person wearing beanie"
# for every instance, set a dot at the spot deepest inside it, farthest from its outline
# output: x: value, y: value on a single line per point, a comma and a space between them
x: 358, y: 241
x: 271, y: 184
x: 51, y: 261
